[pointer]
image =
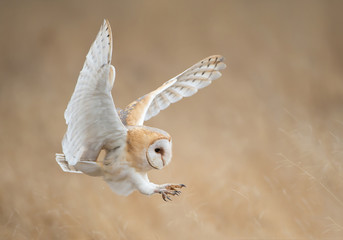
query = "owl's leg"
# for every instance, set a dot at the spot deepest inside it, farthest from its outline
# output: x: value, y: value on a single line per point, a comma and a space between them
x: 142, y: 184
x: 169, y: 189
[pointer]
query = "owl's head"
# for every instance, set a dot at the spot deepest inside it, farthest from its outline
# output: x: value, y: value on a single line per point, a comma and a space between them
x: 149, y: 148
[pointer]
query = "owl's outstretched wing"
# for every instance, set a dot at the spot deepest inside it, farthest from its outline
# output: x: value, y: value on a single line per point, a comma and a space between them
x: 185, y: 84
x: 93, y: 122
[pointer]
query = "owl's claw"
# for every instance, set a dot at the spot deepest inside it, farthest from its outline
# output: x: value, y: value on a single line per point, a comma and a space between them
x: 165, y: 196
x: 174, y: 187
x: 170, y: 190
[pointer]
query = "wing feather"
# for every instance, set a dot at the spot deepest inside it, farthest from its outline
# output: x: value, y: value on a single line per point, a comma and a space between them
x: 93, y: 122
x: 165, y: 100
x: 185, y: 84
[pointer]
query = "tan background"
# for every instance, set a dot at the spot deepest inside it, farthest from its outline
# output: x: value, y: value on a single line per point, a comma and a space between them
x: 260, y: 149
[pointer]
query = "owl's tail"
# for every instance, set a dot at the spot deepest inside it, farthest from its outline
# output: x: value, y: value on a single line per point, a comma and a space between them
x: 61, y: 160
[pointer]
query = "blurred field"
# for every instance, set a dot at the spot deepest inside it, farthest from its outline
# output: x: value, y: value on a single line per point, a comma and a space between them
x: 260, y: 149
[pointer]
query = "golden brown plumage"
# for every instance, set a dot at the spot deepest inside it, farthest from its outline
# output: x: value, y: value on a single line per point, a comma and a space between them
x: 140, y: 138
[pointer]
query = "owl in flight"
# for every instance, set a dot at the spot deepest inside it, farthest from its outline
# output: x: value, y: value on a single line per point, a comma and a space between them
x: 132, y: 149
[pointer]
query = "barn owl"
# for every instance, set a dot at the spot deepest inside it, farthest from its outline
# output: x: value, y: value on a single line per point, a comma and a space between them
x: 131, y: 148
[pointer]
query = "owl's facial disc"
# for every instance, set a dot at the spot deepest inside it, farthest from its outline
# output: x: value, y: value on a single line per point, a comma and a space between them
x: 159, y: 153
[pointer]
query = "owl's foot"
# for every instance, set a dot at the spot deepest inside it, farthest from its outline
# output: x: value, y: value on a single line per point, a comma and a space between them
x: 170, y: 189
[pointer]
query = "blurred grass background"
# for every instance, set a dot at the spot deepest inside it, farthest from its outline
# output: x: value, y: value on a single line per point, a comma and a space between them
x: 260, y: 149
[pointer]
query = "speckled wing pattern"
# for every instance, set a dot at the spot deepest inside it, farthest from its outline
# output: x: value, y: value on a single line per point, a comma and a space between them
x: 185, y: 84
x: 93, y: 122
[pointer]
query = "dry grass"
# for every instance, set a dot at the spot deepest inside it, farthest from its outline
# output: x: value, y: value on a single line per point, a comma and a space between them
x: 260, y: 150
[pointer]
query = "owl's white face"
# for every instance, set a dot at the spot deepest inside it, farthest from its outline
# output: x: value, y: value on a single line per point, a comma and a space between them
x: 159, y: 153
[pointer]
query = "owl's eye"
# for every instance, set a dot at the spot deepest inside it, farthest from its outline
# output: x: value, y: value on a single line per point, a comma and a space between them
x: 157, y: 150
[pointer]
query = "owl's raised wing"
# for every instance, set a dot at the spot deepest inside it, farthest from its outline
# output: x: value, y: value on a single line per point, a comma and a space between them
x: 185, y: 84
x: 93, y: 122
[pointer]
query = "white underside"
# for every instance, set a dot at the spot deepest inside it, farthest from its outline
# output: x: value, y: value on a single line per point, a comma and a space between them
x: 123, y: 187
x: 119, y: 178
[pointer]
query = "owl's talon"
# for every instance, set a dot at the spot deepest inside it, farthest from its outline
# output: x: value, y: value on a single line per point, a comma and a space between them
x: 165, y: 196
x: 174, y: 187
x: 168, y: 190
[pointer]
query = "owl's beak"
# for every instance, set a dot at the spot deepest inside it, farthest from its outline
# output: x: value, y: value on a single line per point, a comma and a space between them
x: 163, y: 162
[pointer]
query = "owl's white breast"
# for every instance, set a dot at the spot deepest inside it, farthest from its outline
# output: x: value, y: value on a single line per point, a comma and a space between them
x: 119, y: 179
x: 122, y: 187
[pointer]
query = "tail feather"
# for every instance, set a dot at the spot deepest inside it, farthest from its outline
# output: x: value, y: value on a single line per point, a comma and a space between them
x: 61, y: 160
